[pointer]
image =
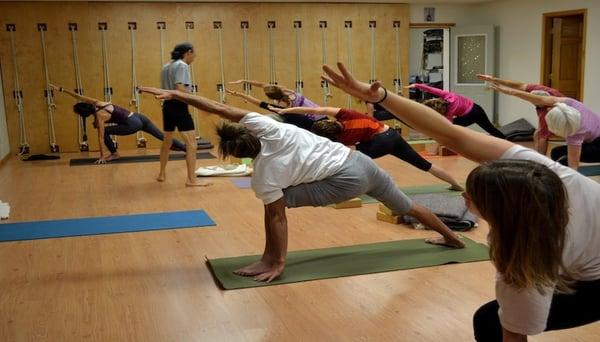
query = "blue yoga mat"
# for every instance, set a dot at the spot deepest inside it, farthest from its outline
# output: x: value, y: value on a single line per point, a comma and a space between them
x: 35, y: 230
x: 589, y: 170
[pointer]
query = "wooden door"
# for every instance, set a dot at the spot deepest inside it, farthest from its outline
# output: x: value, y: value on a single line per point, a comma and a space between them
x: 564, y: 55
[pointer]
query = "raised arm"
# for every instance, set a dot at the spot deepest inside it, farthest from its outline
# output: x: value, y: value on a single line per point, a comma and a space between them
x: 246, y: 97
x: 81, y: 98
x: 330, y: 111
x: 537, y: 100
x: 432, y: 90
x: 227, y: 112
x: 507, y: 83
x: 251, y: 82
x: 473, y: 145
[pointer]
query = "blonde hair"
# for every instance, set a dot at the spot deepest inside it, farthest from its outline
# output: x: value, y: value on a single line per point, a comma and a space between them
x: 563, y: 120
x: 438, y: 105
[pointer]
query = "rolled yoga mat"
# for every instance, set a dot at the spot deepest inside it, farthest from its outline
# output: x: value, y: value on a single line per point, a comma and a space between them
x: 350, y: 260
x: 35, y: 230
x: 138, y: 159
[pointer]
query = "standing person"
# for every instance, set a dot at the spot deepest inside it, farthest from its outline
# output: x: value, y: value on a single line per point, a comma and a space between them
x: 544, y: 223
x: 295, y: 168
x: 568, y: 118
x: 542, y: 133
x: 125, y: 122
x: 458, y: 109
x: 176, y: 76
x: 370, y: 137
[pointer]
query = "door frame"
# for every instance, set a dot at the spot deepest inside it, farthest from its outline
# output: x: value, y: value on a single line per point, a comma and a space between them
x: 546, y: 54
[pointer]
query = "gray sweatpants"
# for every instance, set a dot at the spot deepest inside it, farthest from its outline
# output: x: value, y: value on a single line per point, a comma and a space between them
x: 359, y: 175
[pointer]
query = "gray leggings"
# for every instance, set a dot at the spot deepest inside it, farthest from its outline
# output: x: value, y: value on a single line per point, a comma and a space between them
x: 359, y: 175
x: 136, y: 122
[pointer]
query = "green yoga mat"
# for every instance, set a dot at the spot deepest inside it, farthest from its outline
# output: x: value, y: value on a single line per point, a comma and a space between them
x: 417, y: 190
x: 350, y: 260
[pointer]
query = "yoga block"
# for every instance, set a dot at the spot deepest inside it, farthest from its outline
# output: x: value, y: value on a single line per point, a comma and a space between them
x: 445, y: 151
x: 351, y: 203
x: 388, y: 218
x: 386, y: 210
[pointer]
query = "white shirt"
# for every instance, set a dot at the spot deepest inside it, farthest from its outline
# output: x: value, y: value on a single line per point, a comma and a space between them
x: 526, y: 311
x: 290, y: 156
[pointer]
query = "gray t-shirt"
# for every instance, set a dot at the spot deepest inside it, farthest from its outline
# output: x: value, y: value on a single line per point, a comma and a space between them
x: 175, y: 72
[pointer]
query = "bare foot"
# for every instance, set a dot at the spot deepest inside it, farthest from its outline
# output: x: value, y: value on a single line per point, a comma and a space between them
x: 456, y: 187
x: 113, y: 156
x: 253, y: 269
x: 161, y: 178
x: 442, y: 241
x: 197, y: 183
x: 261, y: 271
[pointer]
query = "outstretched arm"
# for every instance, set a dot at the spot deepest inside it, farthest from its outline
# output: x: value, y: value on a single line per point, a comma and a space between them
x: 81, y: 98
x: 251, y: 82
x: 473, y: 145
x: 537, y: 100
x: 507, y: 83
x: 227, y: 112
x: 330, y: 111
x: 246, y: 97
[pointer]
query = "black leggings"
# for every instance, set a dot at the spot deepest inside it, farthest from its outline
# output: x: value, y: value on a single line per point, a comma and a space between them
x: 590, y: 153
x: 136, y: 122
x: 478, y: 116
x: 390, y: 142
x: 566, y: 311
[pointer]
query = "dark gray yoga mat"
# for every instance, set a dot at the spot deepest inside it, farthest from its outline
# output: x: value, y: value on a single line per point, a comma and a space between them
x: 138, y: 159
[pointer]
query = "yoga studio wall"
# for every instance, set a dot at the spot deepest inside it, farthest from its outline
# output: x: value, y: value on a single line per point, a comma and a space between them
x: 283, y: 43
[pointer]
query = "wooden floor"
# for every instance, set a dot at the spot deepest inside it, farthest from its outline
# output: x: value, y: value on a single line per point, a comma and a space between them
x: 155, y: 286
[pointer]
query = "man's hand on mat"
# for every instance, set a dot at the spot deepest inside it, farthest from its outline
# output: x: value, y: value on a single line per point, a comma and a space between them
x: 442, y: 241
x: 261, y: 271
x: 161, y: 94
x: 346, y: 82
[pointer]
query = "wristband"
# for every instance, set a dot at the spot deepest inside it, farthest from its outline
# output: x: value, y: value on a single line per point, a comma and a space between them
x: 384, y: 97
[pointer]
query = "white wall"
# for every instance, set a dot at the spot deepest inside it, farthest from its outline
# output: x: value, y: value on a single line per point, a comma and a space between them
x: 520, y: 47
x: 4, y: 146
x: 519, y: 29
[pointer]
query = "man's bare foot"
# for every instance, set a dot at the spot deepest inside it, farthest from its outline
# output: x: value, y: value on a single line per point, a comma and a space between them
x: 161, y: 178
x: 253, y: 269
x: 456, y: 187
x: 261, y: 271
x: 442, y: 241
x: 197, y: 183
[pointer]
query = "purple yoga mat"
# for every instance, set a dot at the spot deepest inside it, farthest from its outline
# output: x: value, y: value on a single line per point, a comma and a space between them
x: 242, y: 183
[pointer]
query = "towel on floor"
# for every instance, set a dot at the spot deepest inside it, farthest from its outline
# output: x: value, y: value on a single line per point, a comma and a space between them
x: 520, y: 130
x: 230, y: 170
x: 450, y: 209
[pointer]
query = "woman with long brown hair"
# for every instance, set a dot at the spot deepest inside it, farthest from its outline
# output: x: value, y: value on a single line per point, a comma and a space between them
x: 544, y: 223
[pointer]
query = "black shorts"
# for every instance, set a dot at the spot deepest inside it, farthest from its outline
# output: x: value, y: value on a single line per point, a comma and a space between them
x: 176, y: 115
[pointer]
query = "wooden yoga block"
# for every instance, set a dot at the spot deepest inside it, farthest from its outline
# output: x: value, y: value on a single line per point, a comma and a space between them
x: 445, y: 151
x: 385, y: 210
x: 351, y: 203
x: 381, y: 216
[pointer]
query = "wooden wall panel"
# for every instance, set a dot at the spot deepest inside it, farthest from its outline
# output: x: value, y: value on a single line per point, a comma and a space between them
x: 206, y: 66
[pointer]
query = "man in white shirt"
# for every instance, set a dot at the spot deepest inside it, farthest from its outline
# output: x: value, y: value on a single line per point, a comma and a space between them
x: 295, y: 168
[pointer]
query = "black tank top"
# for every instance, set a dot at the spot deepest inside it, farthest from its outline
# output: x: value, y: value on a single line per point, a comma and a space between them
x: 118, y: 114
